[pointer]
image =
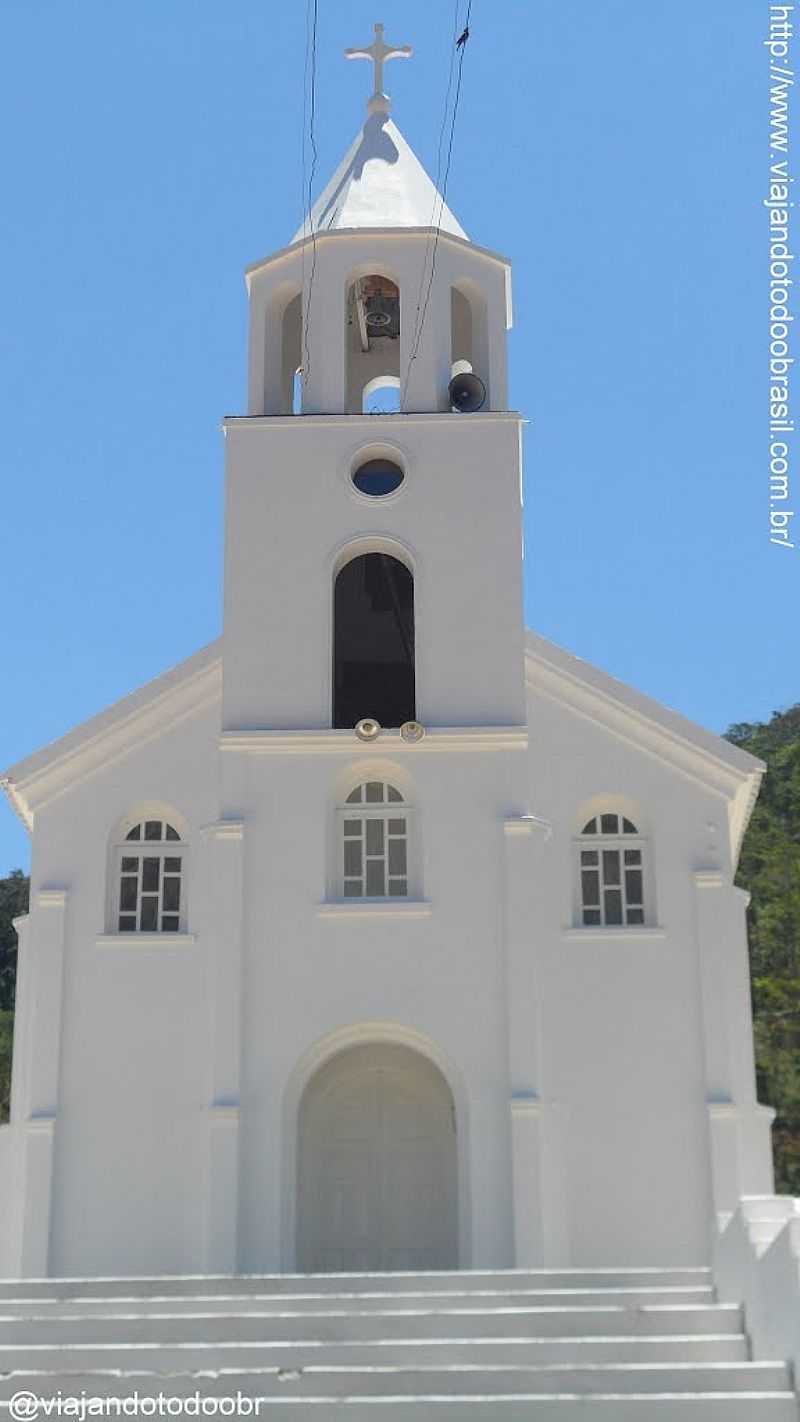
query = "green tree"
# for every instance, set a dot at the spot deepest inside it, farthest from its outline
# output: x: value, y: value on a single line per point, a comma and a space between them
x: 13, y: 901
x: 14, y: 891
x: 770, y: 869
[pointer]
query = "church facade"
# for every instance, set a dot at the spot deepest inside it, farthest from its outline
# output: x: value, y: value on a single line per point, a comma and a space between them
x: 380, y: 934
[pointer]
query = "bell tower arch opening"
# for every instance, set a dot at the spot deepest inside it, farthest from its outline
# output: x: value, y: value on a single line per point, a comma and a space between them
x: 372, y: 336
x: 469, y: 342
x: 381, y: 396
x: 373, y: 642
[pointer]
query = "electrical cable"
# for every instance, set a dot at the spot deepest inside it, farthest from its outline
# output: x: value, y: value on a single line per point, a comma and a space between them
x: 437, y: 198
x: 421, y: 325
x: 311, y: 71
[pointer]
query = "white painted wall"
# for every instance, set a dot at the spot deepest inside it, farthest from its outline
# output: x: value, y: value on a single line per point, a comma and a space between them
x: 293, y: 514
x: 622, y: 1051
x: 178, y: 1070
x: 129, y: 1038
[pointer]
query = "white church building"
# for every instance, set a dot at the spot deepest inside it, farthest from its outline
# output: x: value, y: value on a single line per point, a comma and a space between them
x: 381, y: 934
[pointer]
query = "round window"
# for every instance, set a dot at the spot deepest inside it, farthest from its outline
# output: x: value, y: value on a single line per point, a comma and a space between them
x: 377, y: 477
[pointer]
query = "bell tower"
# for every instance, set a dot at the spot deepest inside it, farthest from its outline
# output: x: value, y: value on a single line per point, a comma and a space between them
x: 374, y: 561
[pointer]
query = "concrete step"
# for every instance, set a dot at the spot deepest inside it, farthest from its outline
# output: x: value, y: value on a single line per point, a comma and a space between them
x: 237, y: 1285
x: 198, y: 1304
x: 235, y: 1358
x: 687, y: 1379
x: 642, y: 1407
x: 349, y: 1322
x: 539, y: 1345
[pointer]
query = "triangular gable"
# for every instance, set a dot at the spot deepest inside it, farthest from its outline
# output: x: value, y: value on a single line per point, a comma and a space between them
x: 653, y: 728
x: 179, y: 692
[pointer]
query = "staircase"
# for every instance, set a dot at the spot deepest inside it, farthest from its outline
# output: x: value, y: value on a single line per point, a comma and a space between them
x: 599, y: 1346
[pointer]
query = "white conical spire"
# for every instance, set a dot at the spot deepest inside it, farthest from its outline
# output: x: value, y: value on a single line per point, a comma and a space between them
x: 380, y: 182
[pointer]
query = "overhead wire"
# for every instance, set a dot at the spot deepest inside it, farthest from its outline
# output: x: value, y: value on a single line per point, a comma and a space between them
x: 437, y: 196
x: 441, y: 195
x: 309, y: 107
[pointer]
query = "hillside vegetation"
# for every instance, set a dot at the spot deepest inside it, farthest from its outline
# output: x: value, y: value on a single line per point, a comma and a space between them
x: 13, y: 901
x: 769, y: 869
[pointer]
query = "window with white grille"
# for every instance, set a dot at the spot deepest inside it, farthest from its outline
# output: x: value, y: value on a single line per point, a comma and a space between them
x: 611, y: 868
x: 149, y: 878
x: 374, y: 843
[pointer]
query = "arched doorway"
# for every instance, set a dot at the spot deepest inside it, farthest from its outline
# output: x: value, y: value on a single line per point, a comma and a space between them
x: 373, y: 642
x: 377, y: 1164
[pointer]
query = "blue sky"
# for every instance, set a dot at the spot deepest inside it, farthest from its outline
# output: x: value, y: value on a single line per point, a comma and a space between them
x: 617, y: 155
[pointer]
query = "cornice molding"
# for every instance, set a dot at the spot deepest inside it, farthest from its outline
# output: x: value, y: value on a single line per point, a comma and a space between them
x: 51, y: 899
x: 630, y: 725
x: 371, y: 235
x: 651, y: 728
x: 709, y: 878
x: 225, y: 830
x: 224, y: 1113
x: 41, y: 1123
x: 394, y: 421
x: 107, y: 738
x: 527, y: 1103
x: 328, y: 742
x: 526, y: 825
x: 732, y: 1111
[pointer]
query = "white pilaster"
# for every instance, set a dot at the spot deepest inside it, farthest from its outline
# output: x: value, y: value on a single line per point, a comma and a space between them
x: 739, y: 1127
x: 36, y: 1100
x: 323, y: 341
x: 425, y: 376
x: 264, y: 361
x: 540, y: 1223
x: 224, y: 949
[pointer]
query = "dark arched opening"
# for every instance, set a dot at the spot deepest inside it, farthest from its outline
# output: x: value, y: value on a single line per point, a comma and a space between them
x: 373, y: 642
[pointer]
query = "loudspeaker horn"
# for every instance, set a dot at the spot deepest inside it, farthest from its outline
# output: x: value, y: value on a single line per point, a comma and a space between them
x: 412, y: 731
x: 467, y: 392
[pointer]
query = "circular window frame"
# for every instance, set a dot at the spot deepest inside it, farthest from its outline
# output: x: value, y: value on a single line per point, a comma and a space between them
x: 364, y: 455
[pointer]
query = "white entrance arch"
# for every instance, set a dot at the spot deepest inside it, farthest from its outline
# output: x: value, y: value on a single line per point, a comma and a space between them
x: 375, y: 1155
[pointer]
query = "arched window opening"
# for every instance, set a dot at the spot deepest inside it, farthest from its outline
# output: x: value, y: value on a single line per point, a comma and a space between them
x: 297, y: 392
x: 611, y: 866
x: 382, y: 396
x: 149, y: 874
x: 291, y: 357
x: 374, y: 843
x: 469, y: 343
x: 373, y: 656
x: 372, y: 337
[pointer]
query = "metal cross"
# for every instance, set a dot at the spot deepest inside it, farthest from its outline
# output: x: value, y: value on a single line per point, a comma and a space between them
x: 379, y: 52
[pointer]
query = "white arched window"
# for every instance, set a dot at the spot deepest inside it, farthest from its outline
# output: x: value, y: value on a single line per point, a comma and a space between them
x: 374, y: 842
x: 611, y: 868
x: 149, y: 879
